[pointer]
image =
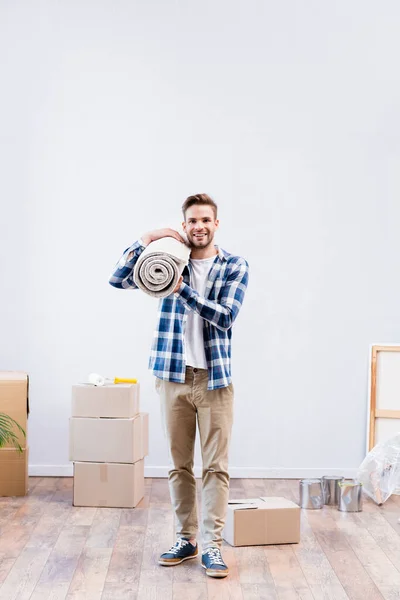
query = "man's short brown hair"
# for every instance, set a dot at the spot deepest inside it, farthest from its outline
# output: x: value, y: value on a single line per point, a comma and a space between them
x: 203, y: 199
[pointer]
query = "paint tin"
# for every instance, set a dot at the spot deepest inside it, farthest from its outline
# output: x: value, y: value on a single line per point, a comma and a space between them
x: 311, y: 495
x: 330, y: 489
x: 350, y: 496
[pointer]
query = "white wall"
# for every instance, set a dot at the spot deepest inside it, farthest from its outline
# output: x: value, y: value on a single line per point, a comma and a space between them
x: 287, y: 113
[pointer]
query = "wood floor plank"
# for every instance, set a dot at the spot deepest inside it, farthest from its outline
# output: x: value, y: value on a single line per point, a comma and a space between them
x: 287, y: 488
x: 236, y: 489
x: 390, y: 512
x: 81, y: 515
x: 381, y: 570
x: 158, y: 539
x: 320, y: 576
x: 126, y: 561
x: 193, y: 591
x: 24, y: 574
x: 251, y: 561
x: 16, y: 532
x: 60, y: 567
x: 104, y: 528
x: 286, y: 573
x: 253, y: 566
x: 229, y: 588
x: 155, y: 592
x: 258, y: 591
x: 123, y: 574
x: 120, y: 591
x: 49, y: 526
x: 90, y: 574
x: 6, y: 565
x: 254, y: 487
x: 52, y: 550
x: 159, y: 492
x: 190, y: 572
x: 355, y: 580
x: 386, y: 536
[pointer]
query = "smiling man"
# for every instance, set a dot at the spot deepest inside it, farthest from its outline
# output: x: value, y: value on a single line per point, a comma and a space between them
x: 191, y: 360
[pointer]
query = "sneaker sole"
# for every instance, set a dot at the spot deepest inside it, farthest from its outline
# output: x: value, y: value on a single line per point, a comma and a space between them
x: 166, y: 563
x: 217, y: 574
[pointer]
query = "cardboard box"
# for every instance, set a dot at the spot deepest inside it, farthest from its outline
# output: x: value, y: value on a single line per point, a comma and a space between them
x: 14, y: 401
x: 108, y: 484
x: 259, y: 521
x: 120, y: 400
x: 13, y: 472
x: 109, y: 440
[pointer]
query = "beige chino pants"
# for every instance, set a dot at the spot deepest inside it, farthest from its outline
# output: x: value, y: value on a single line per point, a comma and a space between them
x: 182, y: 405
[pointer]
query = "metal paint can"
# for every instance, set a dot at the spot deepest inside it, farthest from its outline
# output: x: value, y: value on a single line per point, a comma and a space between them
x: 350, y: 496
x: 330, y: 489
x: 311, y: 495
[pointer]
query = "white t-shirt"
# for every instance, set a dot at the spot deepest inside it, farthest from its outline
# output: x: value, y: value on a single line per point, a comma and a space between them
x: 194, y: 339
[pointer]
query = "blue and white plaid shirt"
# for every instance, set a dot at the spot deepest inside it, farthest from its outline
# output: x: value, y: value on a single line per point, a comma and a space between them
x: 225, y: 289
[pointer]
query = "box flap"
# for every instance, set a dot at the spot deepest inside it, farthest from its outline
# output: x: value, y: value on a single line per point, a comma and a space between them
x: 244, y: 503
x: 278, y: 502
x: 263, y: 502
x: 244, y: 506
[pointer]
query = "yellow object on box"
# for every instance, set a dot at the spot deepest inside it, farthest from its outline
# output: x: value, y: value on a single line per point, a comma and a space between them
x: 96, y: 379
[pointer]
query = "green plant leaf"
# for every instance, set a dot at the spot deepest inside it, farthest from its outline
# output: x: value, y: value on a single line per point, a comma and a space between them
x: 7, y: 431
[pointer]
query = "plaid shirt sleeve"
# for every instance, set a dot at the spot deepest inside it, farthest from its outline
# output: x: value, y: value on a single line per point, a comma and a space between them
x: 223, y: 313
x: 122, y: 275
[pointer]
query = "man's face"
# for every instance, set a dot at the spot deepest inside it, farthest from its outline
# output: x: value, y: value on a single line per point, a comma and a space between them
x: 200, y: 226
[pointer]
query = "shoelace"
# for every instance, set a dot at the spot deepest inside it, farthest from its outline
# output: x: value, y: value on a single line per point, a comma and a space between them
x: 178, y: 546
x: 215, y: 556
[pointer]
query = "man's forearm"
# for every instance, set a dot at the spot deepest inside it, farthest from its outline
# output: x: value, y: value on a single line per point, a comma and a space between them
x: 210, y: 311
x: 122, y: 275
x: 223, y: 313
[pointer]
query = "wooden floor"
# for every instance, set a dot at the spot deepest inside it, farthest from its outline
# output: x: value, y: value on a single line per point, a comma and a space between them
x: 51, y: 550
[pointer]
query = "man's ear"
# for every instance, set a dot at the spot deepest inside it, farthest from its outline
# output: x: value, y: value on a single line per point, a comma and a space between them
x: 183, y: 225
x: 216, y: 223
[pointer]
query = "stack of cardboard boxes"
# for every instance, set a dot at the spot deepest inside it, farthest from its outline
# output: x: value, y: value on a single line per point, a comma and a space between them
x: 108, y: 443
x: 14, y: 402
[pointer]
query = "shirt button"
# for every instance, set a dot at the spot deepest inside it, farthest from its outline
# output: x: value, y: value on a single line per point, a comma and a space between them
x: 195, y: 370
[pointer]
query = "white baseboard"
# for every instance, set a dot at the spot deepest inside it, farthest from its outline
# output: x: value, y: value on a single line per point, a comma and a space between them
x: 234, y: 472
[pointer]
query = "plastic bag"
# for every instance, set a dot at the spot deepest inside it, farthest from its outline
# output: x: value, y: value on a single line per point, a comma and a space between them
x: 380, y: 470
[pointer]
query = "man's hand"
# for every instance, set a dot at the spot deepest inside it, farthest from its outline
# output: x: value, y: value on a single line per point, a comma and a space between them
x: 152, y: 236
x: 178, y: 285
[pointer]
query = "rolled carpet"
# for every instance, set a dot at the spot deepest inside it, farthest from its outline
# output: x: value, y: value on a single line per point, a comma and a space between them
x: 160, y: 265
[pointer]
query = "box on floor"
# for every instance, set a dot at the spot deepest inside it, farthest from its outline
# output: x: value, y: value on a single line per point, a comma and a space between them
x: 108, y: 484
x: 260, y: 521
x: 13, y: 472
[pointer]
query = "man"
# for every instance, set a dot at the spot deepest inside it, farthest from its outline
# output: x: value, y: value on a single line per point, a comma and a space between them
x: 191, y: 359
